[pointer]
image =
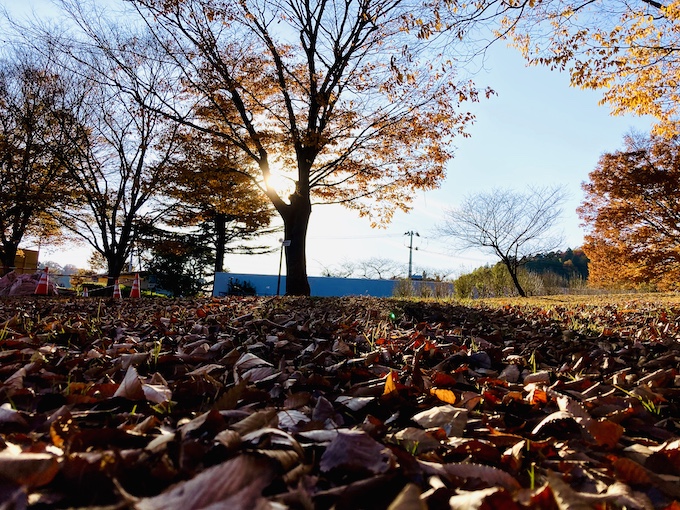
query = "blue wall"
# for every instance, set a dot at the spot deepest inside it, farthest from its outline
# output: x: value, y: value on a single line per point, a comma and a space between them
x: 323, y: 286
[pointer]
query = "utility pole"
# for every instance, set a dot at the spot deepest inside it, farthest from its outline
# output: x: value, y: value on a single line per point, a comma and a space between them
x: 410, y: 252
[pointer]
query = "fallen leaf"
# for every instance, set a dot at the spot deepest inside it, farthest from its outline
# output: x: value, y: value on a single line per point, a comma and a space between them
x: 354, y: 450
x: 390, y: 383
x: 236, y: 484
x: 492, y: 498
x: 490, y: 475
x: 606, y: 432
x: 131, y: 387
x: 451, y: 419
x: 28, y: 469
x: 447, y: 396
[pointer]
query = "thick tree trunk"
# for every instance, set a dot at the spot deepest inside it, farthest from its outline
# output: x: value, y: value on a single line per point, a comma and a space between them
x: 116, y: 263
x: 295, y: 222
x: 220, y: 241
x: 8, y: 255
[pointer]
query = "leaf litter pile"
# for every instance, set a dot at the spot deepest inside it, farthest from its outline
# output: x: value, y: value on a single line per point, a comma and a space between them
x: 274, y: 403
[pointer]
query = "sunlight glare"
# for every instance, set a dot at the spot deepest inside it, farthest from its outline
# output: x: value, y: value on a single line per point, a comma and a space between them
x: 281, y: 183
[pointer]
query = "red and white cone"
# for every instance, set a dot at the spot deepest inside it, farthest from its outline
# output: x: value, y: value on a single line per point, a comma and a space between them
x: 135, y: 292
x: 116, y: 290
x: 43, y: 285
x: 85, y: 293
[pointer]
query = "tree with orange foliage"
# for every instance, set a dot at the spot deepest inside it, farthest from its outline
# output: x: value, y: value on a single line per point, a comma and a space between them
x: 35, y: 128
x: 344, y: 100
x: 633, y: 213
x: 627, y: 49
x: 213, y: 197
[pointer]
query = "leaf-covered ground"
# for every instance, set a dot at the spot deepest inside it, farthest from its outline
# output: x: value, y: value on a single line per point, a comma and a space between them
x: 256, y: 403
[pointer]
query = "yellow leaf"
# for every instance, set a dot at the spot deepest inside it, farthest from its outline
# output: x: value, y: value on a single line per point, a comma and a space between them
x: 390, y: 384
x: 447, y: 396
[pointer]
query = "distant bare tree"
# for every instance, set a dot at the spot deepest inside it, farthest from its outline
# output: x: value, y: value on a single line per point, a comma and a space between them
x: 380, y: 268
x: 510, y: 224
x: 374, y: 267
x: 345, y: 269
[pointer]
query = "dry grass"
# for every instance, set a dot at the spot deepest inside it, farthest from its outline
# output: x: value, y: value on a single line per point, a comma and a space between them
x: 630, y: 299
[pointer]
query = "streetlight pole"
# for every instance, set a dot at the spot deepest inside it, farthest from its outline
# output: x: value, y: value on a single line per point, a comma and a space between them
x: 284, y: 242
x: 410, y: 252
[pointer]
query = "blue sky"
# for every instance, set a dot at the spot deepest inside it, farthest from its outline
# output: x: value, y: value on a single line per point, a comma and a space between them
x: 536, y: 131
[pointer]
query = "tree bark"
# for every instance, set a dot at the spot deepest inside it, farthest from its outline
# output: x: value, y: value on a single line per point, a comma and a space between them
x: 115, y: 267
x: 9, y: 254
x: 220, y: 241
x: 295, y: 223
x: 513, y: 274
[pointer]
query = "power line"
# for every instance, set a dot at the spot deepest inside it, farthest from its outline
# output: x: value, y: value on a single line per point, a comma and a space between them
x: 328, y: 238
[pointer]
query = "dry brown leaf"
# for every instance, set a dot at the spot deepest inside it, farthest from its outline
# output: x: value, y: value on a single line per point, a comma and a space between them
x: 415, y: 440
x: 28, y: 469
x: 451, y: 419
x: 630, y: 471
x: 258, y: 420
x: 606, y: 432
x: 557, y: 416
x: 621, y: 495
x: 488, y: 474
x: 131, y: 387
x: 356, y: 451
x: 484, y: 499
x: 9, y: 415
x: 236, y: 484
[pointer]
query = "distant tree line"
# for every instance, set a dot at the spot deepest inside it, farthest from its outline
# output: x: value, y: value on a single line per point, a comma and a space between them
x: 567, y: 265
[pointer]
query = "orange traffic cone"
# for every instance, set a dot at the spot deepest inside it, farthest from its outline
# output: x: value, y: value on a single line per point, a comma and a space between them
x: 43, y: 285
x: 85, y: 293
x: 135, y: 292
x: 116, y: 290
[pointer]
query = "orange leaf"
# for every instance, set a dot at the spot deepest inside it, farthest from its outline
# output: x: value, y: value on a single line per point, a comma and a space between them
x: 537, y: 396
x: 630, y: 471
x: 447, y: 396
x: 606, y: 432
x: 443, y: 379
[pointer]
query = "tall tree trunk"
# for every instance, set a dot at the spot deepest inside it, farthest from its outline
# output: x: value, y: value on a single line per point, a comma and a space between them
x: 220, y: 241
x: 512, y: 269
x: 116, y: 263
x: 9, y: 254
x: 295, y: 223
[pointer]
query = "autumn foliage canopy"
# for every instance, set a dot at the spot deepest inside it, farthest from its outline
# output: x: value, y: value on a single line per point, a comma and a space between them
x: 632, y: 211
x: 625, y: 49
